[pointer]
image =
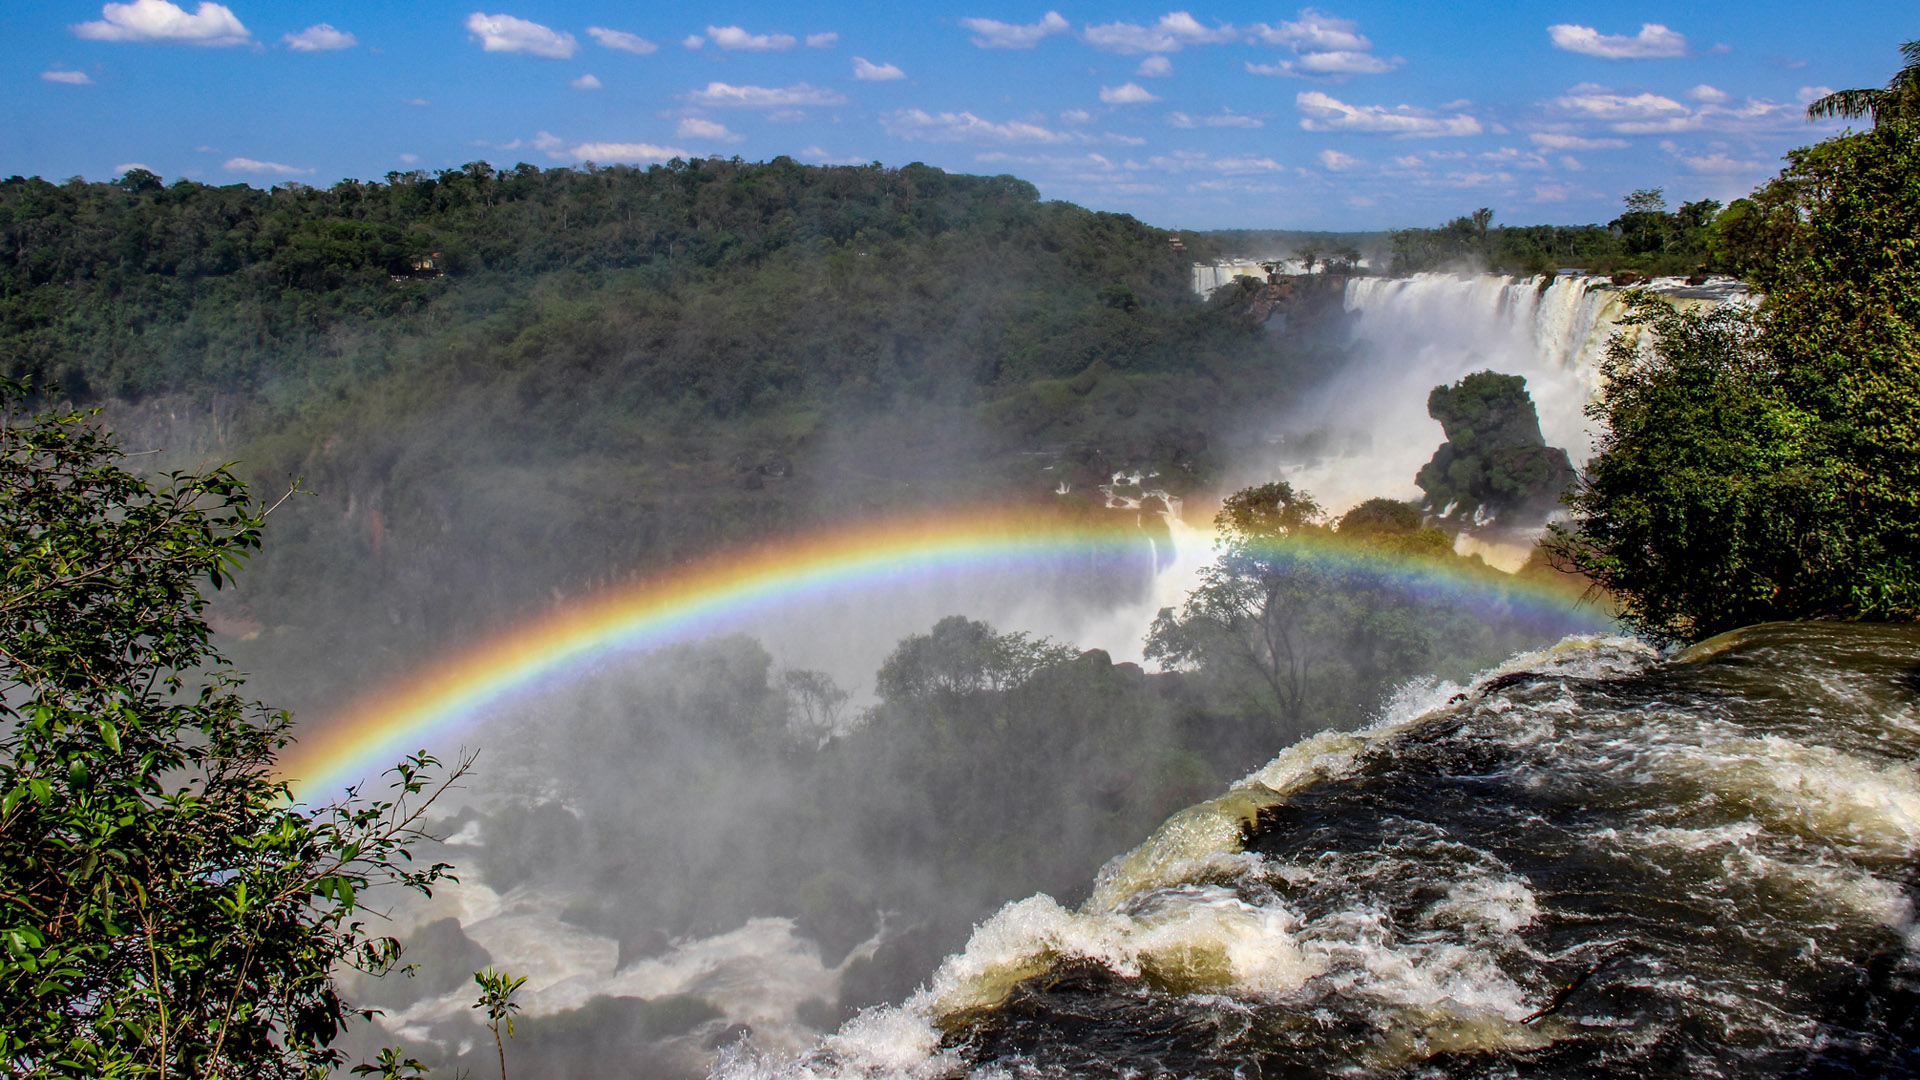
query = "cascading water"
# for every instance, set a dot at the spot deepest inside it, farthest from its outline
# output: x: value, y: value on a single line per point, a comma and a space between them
x: 1593, y: 862
x: 1365, y: 431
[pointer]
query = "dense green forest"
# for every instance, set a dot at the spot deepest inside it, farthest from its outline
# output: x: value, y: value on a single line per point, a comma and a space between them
x: 610, y: 369
x: 1761, y: 464
x: 937, y: 282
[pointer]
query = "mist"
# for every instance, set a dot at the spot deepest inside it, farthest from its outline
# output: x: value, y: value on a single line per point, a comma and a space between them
x: 746, y: 840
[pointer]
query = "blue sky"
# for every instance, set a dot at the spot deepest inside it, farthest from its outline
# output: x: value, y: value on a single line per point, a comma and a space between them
x: 1366, y: 114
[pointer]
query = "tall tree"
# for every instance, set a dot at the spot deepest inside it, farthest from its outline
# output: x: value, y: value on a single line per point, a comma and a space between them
x: 1261, y: 610
x: 1900, y: 98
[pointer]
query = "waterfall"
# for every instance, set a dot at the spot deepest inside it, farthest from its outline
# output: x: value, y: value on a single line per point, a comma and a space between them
x: 1365, y: 432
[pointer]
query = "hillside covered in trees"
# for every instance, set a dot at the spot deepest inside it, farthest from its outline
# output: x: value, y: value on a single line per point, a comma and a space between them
x: 135, y: 286
x: 544, y: 378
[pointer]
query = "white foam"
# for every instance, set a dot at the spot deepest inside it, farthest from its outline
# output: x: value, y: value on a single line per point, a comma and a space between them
x: 1811, y: 790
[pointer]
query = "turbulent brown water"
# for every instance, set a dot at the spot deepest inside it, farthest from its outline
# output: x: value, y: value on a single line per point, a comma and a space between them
x: 1595, y: 862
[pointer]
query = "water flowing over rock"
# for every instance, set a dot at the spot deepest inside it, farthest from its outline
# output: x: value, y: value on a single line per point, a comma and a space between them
x: 1592, y: 862
x: 1408, y: 335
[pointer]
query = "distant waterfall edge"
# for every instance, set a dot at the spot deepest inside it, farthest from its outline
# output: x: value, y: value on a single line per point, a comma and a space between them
x: 1364, y: 430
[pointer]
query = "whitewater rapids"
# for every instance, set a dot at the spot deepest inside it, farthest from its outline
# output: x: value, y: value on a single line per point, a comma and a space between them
x: 1593, y: 862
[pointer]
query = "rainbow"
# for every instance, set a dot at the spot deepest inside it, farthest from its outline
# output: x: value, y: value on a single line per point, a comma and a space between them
x: 428, y: 705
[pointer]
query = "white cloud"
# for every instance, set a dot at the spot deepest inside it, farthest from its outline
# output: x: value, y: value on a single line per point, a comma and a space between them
x: 320, y: 37
x: 1314, y: 32
x: 504, y: 33
x: 1328, y: 64
x: 993, y: 34
x: 410, y: 159
x: 1653, y: 42
x: 820, y: 156
x: 964, y: 127
x: 799, y: 95
x: 695, y: 128
x: 871, y: 72
x: 418, y: 102
x: 241, y: 164
x: 1507, y: 155
x: 1345, y: 62
x: 636, y: 153
x: 122, y: 170
x: 1326, y: 113
x: 1126, y: 94
x: 1810, y: 94
x: 1226, y: 118
x: 822, y: 41
x: 1335, y: 161
x: 692, y: 41
x: 546, y: 141
x: 1076, y: 116
x: 1551, y: 141
x: 71, y: 78
x: 1599, y: 103
x: 585, y: 82
x: 1195, y: 161
x: 1323, y: 46
x: 1154, y: 67
x: 1717, y: 161
x: 1710, y: 95
x: 1651, y: 114
x: 158, y: 20
x: 734, y: 38
x: 1552, y: 193
x: 620, y: 39
x: 1173, y: 32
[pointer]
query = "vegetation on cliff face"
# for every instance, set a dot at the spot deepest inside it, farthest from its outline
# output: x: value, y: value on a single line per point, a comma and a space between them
x: 1495, y: 459
x: 1766, y: 465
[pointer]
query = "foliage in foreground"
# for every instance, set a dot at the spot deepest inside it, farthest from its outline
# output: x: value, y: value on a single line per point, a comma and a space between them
x: 163, y: 909
x: 1767, y: 465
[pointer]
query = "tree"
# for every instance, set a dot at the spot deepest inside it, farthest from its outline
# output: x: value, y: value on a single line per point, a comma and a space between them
x: 1645, y: 226
x: 1899, y: 99
x: 962, y: 656
x: 1702, y: 509
x: 496, y: 1000
x: 1260, y: 608
x: 1767, y: 466
x: 1313, y: 626
x: 164, y: 908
